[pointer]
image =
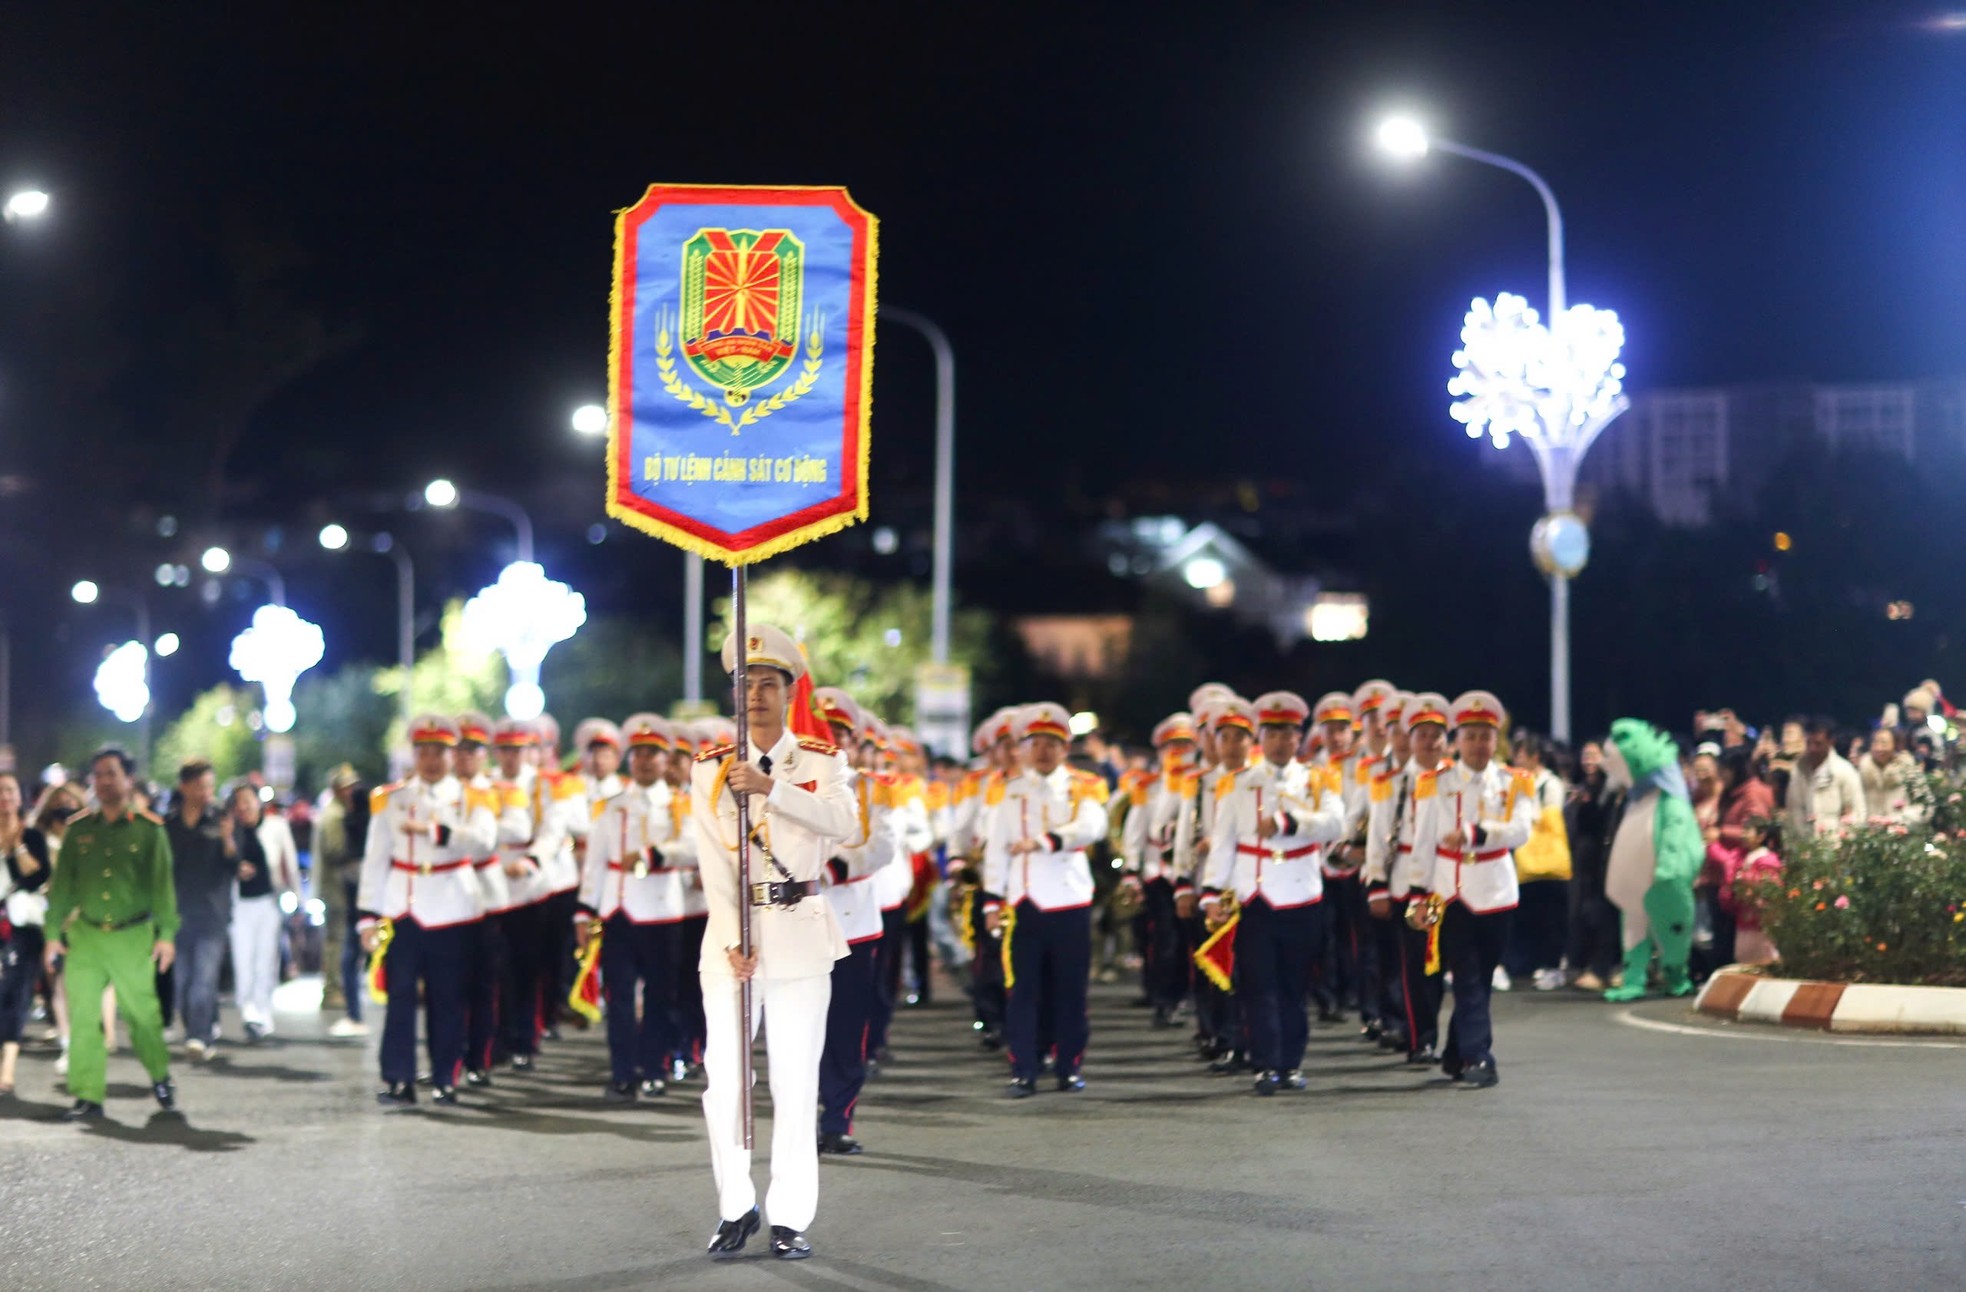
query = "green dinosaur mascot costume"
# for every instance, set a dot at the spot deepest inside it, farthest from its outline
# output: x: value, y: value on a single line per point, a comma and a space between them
x: 1654, y: 857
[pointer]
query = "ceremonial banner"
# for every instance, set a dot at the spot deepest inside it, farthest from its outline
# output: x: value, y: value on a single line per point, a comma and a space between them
x: 741, y: 365
x: 1217, y: 956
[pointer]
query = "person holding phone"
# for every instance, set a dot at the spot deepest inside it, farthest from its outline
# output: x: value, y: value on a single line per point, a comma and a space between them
x: 205, y: 854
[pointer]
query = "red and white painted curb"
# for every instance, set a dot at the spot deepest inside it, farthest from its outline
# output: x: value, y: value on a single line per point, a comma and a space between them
x: 1834, y: 1006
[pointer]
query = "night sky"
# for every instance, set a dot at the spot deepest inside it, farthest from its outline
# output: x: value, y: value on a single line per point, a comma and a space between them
x: 1156, y: 234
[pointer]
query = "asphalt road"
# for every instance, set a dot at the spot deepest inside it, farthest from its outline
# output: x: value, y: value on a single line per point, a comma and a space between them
x: 1614, y: 1155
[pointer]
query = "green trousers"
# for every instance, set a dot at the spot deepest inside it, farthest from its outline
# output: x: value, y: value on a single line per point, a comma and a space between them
x: 120, y: 960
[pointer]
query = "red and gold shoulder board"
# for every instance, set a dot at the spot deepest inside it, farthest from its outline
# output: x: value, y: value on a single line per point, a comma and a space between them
x: 1089, y: 785
x: 715, y: 752
x: 815, y: 745
x: 1423, y: 785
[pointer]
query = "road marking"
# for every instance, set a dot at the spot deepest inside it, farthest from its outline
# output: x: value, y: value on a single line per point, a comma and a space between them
x: 1754, y: 1032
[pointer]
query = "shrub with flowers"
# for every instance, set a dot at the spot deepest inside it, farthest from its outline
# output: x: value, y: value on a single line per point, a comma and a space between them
x: 1881, y: 902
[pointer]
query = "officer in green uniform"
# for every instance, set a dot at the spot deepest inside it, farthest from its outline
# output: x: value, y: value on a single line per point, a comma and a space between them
x: 112, y: 908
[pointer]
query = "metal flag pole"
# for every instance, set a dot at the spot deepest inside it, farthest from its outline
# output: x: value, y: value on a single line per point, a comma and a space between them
x: 742, y: 701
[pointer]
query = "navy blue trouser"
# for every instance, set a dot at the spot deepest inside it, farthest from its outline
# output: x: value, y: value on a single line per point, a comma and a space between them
x: 986, y: 970
x: 1470, y: 948
x: 1050, y: 962
x: 1275, y: 950
x: 438, y: 959
x: 894, y: 939
x: 1164, y: 954
x: 1420, y: 991
x: 686, y: 992
x: 527, y: 973
x: 1346, y: 970
x: 481, y: 991
x: 849, y: 1018
x: 634, y: 953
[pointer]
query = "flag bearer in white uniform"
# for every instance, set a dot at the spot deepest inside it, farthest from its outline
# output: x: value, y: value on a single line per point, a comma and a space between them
x: 1477, y: 813
x: 1272, y: 822
x: 631, y: 897
x: 417, y: 874
x: 801, y: 807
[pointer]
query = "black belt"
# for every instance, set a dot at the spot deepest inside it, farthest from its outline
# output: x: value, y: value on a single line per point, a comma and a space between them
x: 788, y: 892
x: 112, y: 926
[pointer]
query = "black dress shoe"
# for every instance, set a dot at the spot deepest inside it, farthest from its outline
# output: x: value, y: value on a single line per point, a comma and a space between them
x: 619, y: 1093
x: 1330, y: 1014
x: 551, y: 1034
x: 679, y: 1071
x: 1164, y: 1017
x: 1267, y: 1083
x: 1452, y: 1067
x: 1229, y: 1066
x: 166, y: 1094
x: 83, y: 1110
x: 840, y: 1146
x: 522, y: 1063
x: 1424, y: 1057
x: 400, y: 1094
x: 1021, y: 1088
x: 992, y: 1039
x: 1479, y: 1076
x: 654, y: 1086
x: 1071, y: 1083
x: 477, y: 1077
x: 446, y: 1097
x: 789, y: 1244
x: 1372, y: 1031
x: 1393, y: 1039
x: 426, y: 1079
x: 731, y: 1235
x: 1293, y: 1080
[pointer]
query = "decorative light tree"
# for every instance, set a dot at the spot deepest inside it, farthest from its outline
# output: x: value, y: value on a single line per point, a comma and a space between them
x: 522, y: 616
x: 275, y: 651
x: 1557, y: 388
x: 123, y: 681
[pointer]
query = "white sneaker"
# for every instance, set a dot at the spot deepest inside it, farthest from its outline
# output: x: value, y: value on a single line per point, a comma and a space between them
x: 61, y: 1064
x: 1501, y: 982
x: 347, y: 1027
x: 1549, y: 980
x: 196, y: 1050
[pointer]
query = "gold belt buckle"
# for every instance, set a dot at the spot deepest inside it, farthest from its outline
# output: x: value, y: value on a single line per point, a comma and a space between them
x: 641, y: 870
x: 426, y: 870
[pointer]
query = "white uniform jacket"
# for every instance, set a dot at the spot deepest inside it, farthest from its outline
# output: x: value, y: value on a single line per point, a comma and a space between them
x: 1392, y: 865
x: 913, y: 833
x: 559, y: 810
x: 513, y: 813
x: 801, y: 822
x: 1156, y: 846
x: 683, y: 853
x: 633, y: 866
x: 1353, y: 782
x: 431, y: 879
x: 857, y: 861
x: 1283, y: 869
x: 1496, y: 809
x: 1066, y: 812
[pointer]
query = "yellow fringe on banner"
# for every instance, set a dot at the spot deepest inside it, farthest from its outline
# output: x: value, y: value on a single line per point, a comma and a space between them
x: 1433, y: 945
x: 585, y: 998
x: 1205, y: 959
x: 1009, y: 923
x: 378, y: 981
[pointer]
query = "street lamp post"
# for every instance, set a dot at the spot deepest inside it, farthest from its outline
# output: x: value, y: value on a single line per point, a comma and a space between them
x: 218, y: 561
x: 945, y: 472
x: 335, y: 538
x: 1557, y: 384
x: 692, y: 627
x: 444, y: 494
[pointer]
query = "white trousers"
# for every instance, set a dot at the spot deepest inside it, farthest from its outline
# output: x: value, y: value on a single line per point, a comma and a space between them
x: 796, y: 1035
x: 256, y: 957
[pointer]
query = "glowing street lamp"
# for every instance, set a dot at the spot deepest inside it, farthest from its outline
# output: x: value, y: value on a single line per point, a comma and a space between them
x: 27, y: 204
x: 522, y: 616
x: 215, y: 560
x: 441, y: 493
x: 334, y: 537
x: 275, y: 651
x: 590, y: 419
x: 85, y: 592
x: 123, y: 683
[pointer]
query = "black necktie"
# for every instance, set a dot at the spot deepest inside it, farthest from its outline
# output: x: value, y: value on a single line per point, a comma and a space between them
x: 764, y: 764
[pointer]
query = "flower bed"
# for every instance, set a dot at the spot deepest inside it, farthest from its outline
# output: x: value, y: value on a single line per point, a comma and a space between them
x: 1880, y: 903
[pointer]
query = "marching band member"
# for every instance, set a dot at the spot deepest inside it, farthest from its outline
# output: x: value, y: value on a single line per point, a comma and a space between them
x: 1357, y: 927
x: 1038, y: 891
x: 1271, y: 824
x: 1398, y: 874
x: 930, y: 801
x: 486, y: 978
x: 631, y: 897
x: 801, y: 798
x: 1337, y: 973
x: 893, y: 884
x: 524, y: 935
x: 995, y: 741
x: 417, y: 873
x: 1218, y: 1029
x: 849, y: 886
x: 1476, y: 813
x: 1158, y: 852
x: 687, y: 1003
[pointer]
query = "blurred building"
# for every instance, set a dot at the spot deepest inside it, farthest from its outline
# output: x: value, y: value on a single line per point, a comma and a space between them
x: 1685, y: 452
